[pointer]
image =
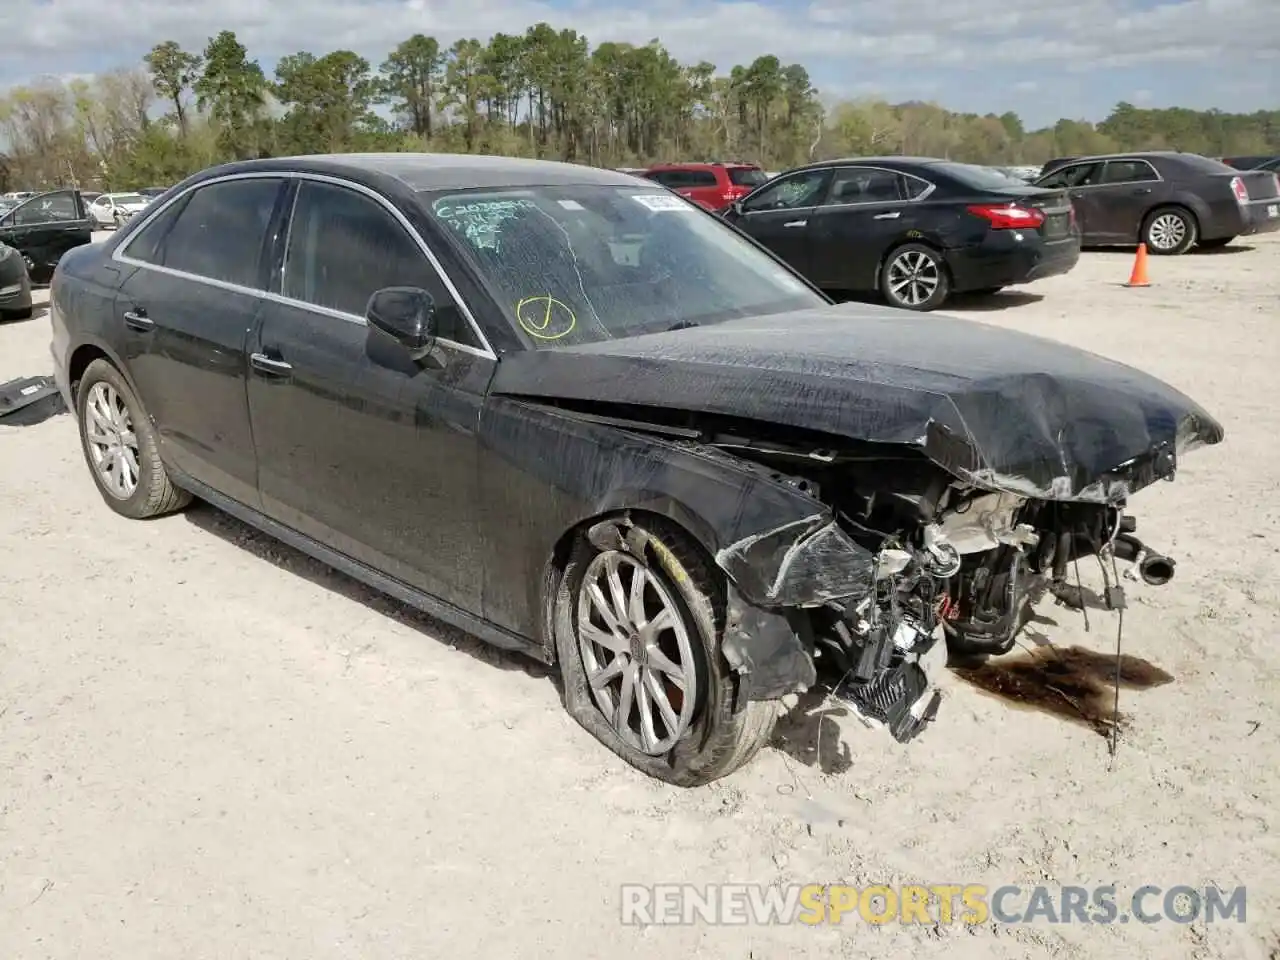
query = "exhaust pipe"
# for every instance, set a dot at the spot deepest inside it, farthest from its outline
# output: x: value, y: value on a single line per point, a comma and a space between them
x: 1154, y: 568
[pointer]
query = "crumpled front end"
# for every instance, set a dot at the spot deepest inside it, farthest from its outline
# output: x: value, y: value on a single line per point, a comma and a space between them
x: 807, y: 595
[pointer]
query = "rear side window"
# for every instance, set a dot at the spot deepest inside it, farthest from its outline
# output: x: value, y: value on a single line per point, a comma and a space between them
x: 864, y: 185
x: 219, y: 232
x: 699, y: 178
x: 1128, y: 171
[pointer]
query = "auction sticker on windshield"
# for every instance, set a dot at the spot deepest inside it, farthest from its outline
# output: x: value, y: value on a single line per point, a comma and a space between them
x: 658, y: 202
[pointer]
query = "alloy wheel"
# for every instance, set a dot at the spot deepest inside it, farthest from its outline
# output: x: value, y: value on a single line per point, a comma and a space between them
x: 637, y: 653
x: 913, y: 277
x: 1167, y: 231
x: 113, y: 444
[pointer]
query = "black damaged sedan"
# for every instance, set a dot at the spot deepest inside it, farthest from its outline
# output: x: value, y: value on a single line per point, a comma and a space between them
x: 589, y: 421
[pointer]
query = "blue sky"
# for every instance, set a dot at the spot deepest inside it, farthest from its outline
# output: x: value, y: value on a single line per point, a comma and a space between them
x: 1042, y: 58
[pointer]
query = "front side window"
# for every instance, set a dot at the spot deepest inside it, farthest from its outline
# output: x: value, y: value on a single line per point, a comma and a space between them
x: 585, y: 263
x: 50, y: 208
x: 788, y: 193
x: 220, y: 231
x: 1076, y: 175
x: 343, y: 247
x: 747, y: 176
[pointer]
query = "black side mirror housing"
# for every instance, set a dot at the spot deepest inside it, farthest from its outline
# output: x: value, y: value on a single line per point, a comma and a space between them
x: 736, y: 208
x: 407, y: 315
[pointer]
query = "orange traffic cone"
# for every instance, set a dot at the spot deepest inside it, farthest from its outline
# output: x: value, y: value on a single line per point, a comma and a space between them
x: 1138, y: 278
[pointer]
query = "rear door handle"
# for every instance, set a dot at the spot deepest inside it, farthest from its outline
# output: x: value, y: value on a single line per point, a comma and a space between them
x: 888, y: 216
x: 138, y: 320
x: 796, y: 223
x: 269, y: 365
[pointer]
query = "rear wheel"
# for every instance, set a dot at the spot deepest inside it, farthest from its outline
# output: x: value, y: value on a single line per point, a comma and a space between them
x: 915, y: 278
x: 1169, y: 231
x: 120, y: 446
x: 637, y: 633
x: 1214, y: 244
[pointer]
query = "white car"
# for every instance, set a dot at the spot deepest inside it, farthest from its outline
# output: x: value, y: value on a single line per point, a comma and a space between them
x: 114, y: 209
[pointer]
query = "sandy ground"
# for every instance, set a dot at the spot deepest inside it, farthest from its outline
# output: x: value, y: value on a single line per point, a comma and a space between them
x: 211, y: 746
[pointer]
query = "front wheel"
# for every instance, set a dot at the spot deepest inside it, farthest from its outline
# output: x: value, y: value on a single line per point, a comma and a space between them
x: 120, y: 446
x: 1169, y: 231
x: 637, y: 636
x: 915, y: 278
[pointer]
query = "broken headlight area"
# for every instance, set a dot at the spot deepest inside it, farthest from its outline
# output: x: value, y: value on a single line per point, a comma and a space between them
x: 908, y: 564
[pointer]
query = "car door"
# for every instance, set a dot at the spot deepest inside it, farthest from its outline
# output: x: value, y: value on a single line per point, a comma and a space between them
x: 361, y: 446
x: 185, y: 315
x: 1128, y: 189
x: 1080, y: 180
x: 44, y: 228
x: 777, y: 215
x: 865, y: 211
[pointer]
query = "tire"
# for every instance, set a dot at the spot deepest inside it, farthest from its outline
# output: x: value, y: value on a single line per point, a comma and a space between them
x: 151, y: 493
x: 923, y: 263
x: 26, y: 313
x: 1169, y: 231
x: 719, y: 736
x: 1216, y: 243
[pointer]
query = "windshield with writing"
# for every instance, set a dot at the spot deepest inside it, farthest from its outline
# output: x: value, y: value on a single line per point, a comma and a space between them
x: 578, y: 264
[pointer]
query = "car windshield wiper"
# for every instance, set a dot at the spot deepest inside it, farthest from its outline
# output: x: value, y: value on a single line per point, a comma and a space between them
x: 682, y: 325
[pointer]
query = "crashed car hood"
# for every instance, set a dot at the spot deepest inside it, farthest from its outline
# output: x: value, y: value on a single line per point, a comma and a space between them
x: 1000, y: 409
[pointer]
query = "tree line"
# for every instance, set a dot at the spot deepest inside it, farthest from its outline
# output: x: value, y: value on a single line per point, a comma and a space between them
x: 544, y: 93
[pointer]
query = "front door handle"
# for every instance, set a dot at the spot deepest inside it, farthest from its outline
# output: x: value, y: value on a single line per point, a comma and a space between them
x: 138, y: 320
x: 1140, y: 190
x: 796, y: 223
x: 1077, y: 196
x: 269, y: 365
x: 888, y: 216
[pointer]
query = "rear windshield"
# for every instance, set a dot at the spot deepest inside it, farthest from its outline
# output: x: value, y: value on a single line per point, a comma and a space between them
x: 747, y: 176
x: 972, y: 175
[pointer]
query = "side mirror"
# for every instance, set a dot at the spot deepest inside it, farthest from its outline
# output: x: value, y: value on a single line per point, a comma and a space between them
x: 407, y: 315
x: 6, y: 220
x: 736, y: 208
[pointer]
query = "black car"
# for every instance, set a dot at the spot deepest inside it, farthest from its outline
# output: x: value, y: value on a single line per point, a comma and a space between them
x: 151, y: 191
x: 1169, y: 201
x: 44, y: 228
x: 583, y: 418
x: 15, y: 285
x: 916, y: 230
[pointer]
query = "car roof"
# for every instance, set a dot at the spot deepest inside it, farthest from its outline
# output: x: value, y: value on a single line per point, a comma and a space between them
x: 890, y: 162
x: 706, y: 165
x: 435, y: 171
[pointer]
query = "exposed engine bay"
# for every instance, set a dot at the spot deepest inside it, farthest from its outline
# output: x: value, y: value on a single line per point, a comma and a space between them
x: 949, y: 563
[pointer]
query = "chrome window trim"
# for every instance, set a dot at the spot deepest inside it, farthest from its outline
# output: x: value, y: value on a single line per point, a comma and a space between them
x: 120, y: 255
x: 930, y: 186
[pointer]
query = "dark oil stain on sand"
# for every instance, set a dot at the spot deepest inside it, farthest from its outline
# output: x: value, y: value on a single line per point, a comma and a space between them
x: 1069, y: 682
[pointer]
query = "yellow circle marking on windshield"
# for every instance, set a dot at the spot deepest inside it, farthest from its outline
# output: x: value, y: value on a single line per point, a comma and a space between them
x: 545, y: 317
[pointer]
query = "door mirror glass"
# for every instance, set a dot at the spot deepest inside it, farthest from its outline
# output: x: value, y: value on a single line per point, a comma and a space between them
x: 6, y: 220
x: 407, y: 315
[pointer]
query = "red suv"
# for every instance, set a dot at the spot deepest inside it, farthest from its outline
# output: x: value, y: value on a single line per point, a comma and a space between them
x: 713, y: 185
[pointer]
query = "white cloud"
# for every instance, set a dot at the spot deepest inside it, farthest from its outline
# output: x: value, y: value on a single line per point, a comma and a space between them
x: 896, y: 38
